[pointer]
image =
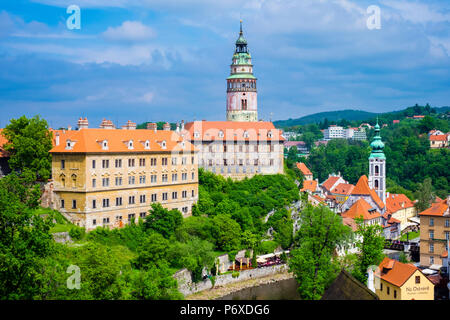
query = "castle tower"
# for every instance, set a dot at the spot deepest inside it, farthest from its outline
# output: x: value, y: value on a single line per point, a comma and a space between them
x: 377, y: 166
x: 241, y: 85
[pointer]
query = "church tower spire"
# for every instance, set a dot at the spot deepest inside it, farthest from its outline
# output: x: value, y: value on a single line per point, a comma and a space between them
x: 241, y: 84
x: 377, y: 165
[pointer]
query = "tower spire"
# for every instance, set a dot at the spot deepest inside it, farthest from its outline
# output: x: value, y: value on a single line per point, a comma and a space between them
x: 240, y: 32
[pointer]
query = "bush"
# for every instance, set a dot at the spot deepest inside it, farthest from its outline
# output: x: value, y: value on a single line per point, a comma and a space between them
x: 77, y: 233
x: 268, y: 246
x: 235, y: 274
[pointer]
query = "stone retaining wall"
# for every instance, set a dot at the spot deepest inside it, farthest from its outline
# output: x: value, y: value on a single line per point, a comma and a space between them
x: 187, y: 287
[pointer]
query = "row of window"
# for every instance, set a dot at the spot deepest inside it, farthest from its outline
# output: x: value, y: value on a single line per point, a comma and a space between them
x: 132, y: 199
x: 240, y: 162
x: 131, y: 217
x: 132, y: 162
x: 446, y: 223
x: 143, y: 179
x: 240, y: 148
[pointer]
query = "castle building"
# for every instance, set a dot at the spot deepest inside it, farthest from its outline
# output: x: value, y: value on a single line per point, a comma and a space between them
x: 242, y: 102
x: 237, y: 149
x: 110, y: 177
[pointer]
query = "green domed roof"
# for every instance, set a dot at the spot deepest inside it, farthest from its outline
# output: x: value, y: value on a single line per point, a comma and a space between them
x: 377, y: 145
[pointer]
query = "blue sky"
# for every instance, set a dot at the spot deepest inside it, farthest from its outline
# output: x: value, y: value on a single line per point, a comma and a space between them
x: 153, y: 60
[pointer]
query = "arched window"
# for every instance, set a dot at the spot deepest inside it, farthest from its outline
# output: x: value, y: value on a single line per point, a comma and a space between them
x: 376, y: 184
x: 377, y: 170
x: 74, y: 180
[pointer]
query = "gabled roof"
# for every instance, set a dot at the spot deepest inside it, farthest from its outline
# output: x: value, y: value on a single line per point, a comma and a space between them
x: 439, y: 137
x: 343, y: 188
x: 329, y: 183
x: 397, y: 201
x: 346, y: 287
x: 361, y: 209
x: 310, y: 185
x: 437, y: 209
x: 362, y: 188
x: 90, y: 141
x: 395, y: 272
x: 303, y: 168
x: 232, y: 131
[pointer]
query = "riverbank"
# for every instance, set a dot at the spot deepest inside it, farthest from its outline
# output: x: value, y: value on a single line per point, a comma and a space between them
x: 217, y: 292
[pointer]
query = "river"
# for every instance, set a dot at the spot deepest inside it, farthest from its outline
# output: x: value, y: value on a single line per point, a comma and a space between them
x: 279, y: 290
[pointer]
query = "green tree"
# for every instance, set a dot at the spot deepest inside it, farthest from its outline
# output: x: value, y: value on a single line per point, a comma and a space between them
x: 24, y: 237
x: 321, y: 231
x: 29, y: 143
x: 162, y: 220
x: 425, y: 195
x: 370, y: 246
x: 227, y: 233
x: 153, y: 251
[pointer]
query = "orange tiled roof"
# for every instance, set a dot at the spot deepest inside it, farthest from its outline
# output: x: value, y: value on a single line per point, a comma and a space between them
x: 350, y: 222
x: 3, y: 140
x: 361, y: 209
x: 436, y: 209
x: 439, y: 137
x: 343, y: 188
x: 90, y: 141
x: 362, y: 188
x: 310, y: 185
x: 233, y: 130
x: 315, y: 196
x: 327, y: 184
x: 397, y: 201
x: 396, y: 272
x: 303, y: 168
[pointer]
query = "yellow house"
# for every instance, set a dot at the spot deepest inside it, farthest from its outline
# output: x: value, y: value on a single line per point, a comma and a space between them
x: 401, y: 281
x: 110, y: 177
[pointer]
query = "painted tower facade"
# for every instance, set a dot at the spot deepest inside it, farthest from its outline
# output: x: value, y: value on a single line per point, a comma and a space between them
x: 377, y: 166
x: 242, y: 102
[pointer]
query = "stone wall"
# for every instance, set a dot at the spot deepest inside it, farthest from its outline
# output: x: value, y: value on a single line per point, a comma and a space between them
x: 187, y: 287
x: 62, y: 237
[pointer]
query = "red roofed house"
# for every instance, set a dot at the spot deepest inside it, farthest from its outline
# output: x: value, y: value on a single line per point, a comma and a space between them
x: 401, y: 281
x: 304, y: 169
x: 237, y: 149
x: 362, y: 191
x: 438, y: 141
x: 342, y: 191
x: 435, y: 234
x: 311, y: 186
x: 362, y: 209
x: 4, y: 157
x: 332, y: 182
x: 401, y: 208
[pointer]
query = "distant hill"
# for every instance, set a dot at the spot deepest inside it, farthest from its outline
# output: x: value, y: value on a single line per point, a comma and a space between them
x: 359, y: 115
x: 330, y: 115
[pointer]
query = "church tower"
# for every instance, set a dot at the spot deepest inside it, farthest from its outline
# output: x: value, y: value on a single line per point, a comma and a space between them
x: 377, y: 166
x: 241, y: 85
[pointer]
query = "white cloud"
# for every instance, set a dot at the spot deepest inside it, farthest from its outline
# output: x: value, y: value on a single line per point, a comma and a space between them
x: 129, y: 31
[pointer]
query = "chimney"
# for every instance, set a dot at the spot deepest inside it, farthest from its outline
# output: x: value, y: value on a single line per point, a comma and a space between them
x: 152, y: 126
x: 57, y: 138
x: 166, y: 126
x: 129, y: 126
x: 69, y: 128
x: 83, y: 123
x: 107, y: 124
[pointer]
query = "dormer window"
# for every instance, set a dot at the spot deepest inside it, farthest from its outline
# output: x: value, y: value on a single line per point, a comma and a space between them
x: 220, y: 134
x: 182, y: 144
x: 163, y: 144
x: 196, y: 134
x: 147, y: 144
x: 105, y: 145
x: 269, y: 134
x: 130, y: 144
x: 69, y: 144
x: 246, y: 134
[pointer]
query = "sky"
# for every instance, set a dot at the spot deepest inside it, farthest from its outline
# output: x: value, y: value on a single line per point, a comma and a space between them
x: 166, y: 60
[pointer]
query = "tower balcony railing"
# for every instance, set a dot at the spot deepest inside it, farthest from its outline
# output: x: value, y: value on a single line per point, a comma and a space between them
x: 246, y: 89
